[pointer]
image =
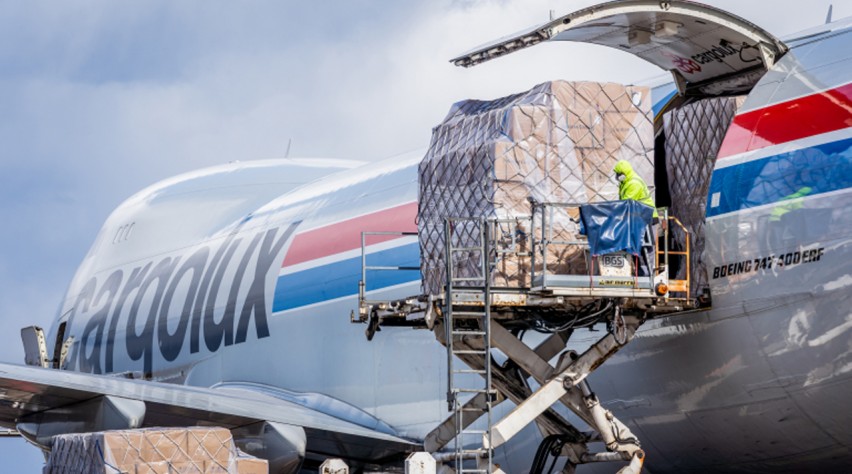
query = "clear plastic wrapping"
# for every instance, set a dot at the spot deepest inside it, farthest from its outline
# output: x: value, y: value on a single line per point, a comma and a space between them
x: 557, y: 142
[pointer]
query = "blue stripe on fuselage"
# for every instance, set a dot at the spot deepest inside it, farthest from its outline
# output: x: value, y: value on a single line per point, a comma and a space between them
x: 822, y: 168
x: 334, y: 280
x: 664, y: 101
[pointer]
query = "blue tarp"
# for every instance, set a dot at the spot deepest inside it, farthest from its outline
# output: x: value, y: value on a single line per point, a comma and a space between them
x: 615, y: 226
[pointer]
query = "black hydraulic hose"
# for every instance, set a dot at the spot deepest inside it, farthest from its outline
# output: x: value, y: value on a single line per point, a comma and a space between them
x: 579, y: 317
x: 550, y: 446
x: 553, y: 463
x: 540, y: 455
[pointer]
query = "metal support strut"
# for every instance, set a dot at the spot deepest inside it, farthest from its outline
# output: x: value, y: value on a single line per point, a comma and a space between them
x: 469, y: 333
x: 564, y: 384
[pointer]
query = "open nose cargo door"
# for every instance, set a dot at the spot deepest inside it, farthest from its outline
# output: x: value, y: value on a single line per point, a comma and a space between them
x: 707, y: 50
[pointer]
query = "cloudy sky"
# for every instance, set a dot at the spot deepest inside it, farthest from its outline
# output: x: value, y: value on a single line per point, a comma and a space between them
x: 99, y: 99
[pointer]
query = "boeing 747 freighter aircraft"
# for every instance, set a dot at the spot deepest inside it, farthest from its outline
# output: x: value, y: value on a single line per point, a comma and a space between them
x: 221, y: 298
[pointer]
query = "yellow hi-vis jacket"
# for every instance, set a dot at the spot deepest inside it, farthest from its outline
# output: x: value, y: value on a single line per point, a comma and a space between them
x: 633, y: 187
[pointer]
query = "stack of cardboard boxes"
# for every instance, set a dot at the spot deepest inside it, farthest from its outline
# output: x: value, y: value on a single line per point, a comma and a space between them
x: 152, y: 451
x: 557, y: 142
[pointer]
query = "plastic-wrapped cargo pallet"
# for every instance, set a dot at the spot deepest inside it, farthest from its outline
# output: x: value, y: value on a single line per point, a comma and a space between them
x: 694, y: 134
x: 557, y: 142
x: 194, y: 450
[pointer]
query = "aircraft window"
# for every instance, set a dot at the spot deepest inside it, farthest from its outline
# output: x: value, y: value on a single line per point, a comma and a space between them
x: 714, y: 199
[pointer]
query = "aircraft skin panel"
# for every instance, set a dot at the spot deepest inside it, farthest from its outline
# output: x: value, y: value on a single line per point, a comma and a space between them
x: 661, y: 96
x: 372, y: 184
x: 794, y: 142
x: 700, y: 51
x: 326, y: 240
x: 700, y: 393
x: 757, y: 381
x: 315, y: 296
x: 781, y: 148
x: 398, y: 377
x: 773, y: 179
x: 808, y: 68
x: 337, y: 279
x: 131, y: 232
x: 325, y: 263
x: 822, y: 112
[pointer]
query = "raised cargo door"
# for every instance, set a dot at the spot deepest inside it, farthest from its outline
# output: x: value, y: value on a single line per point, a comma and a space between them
x: 709, y: 51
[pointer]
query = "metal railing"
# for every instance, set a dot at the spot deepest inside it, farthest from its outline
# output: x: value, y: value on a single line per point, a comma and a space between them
x: 537, y: 237
x: 543, y: 244
x: 676, y: 286
x: 550, y: 219
x: 366, y: 306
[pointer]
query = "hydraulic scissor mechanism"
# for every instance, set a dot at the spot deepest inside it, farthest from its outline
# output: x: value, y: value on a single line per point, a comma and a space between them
x: 503, y: 279
x: 563, y: 383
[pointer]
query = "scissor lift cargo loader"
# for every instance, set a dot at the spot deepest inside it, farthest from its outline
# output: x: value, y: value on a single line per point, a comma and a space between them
x: 473, y: 317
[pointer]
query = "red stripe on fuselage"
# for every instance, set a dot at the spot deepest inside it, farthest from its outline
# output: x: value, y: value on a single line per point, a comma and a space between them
x: 346, y: 235
x: 784, y: 122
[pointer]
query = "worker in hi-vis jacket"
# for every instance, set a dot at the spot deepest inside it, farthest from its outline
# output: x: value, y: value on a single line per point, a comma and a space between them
x: 632, y: 186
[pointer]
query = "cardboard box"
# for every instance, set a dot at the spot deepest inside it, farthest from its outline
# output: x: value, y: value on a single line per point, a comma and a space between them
x: 191, y: 450
x: 215, y: 444
x: 252, y: 466
x: 557, y: 142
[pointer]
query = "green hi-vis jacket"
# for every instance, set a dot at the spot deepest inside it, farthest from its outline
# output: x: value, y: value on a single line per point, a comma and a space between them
x: 633, y: 187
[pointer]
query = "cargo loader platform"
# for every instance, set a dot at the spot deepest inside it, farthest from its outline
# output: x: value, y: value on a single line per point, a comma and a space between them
x: 475, y: 315
x: 520, y: 230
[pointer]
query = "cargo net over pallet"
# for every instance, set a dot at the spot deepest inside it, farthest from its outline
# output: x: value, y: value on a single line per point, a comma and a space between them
x: 694, y: 134
x: 151, y: 451
x: 557, y: 142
